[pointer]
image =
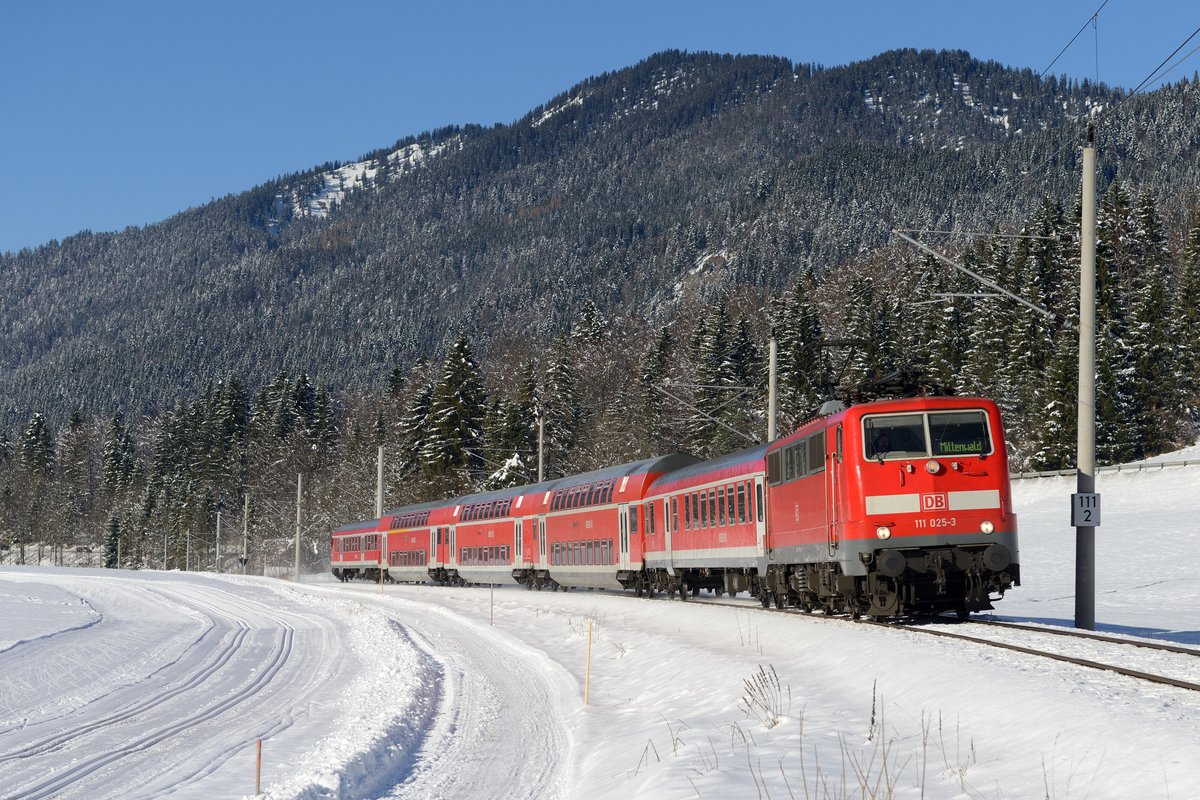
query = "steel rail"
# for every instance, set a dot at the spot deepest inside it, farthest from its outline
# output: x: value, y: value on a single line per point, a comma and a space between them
x: 1082, y: 662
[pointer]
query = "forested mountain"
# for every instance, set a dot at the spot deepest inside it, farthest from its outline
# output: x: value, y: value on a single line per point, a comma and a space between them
x: 648, y: 224
x: 614, y: 192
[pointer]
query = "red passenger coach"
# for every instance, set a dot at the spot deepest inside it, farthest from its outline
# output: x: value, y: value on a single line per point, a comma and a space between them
x: 594, y: 525
x: 709, y: 525
x: 354, y: 551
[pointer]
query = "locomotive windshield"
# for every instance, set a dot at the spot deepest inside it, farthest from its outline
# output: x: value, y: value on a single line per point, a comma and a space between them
x: 937, y: 433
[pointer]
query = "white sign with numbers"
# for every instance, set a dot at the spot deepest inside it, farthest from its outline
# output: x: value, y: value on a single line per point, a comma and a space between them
x: 1085, y: 510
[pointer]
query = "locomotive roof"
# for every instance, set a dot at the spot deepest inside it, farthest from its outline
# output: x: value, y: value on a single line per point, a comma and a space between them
x: 723, y: 464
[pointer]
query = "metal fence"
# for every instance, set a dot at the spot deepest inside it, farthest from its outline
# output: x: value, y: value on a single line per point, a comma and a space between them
x: 1141, y: 466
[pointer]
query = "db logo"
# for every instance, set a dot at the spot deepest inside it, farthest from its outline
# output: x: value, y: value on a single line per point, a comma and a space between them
x: 934, y: 502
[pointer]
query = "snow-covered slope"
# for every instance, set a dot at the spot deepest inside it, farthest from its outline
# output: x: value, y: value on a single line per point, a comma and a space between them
x: 434, y: 692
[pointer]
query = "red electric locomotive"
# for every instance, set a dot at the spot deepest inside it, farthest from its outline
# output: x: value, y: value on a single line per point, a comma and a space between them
x: 882, y: 509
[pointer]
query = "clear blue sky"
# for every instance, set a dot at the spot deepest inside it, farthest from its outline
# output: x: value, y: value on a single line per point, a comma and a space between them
x: 125, y: 112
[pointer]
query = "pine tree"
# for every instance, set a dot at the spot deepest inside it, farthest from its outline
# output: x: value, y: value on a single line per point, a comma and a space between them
x: 987, y: 332
x: 714, y: 372
x: 558, y: 406
x: 1053, y: 442
x: 1115, y: 435
x: 870, y: 326
x: 1187, y: 315
x: 414, y: 421
x: 590, y: 325
x: 37, y: 447
x: 117, y: 463
x: 653, y: 372
x: 453, y: 446
x: 803, y: 373
x: 1153, y: 386
x: 112, y: 544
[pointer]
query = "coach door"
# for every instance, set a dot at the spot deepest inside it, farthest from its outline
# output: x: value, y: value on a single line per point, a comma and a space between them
x: 623, y: 536
x: 833, y: 489
x: 760, y: 517
x: 452, y: 556
x: 541, y: 538
x: 668, y: 533
x: 623, y: 533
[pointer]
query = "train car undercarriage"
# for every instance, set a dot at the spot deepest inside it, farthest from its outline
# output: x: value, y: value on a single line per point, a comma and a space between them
x: 959, y: 579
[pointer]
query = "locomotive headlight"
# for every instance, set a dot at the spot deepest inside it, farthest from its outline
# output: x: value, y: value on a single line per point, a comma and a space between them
x: 933, y: 467
x: 883, y: 532
x: 987, y: 527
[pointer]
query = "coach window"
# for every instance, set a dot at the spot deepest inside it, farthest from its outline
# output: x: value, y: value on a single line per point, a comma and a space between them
x: 712, y: 507
x: 741, y: 502
x: 703, y: 509
x: 721, y: 506
x: 758, y: 500
x: 633, y: 515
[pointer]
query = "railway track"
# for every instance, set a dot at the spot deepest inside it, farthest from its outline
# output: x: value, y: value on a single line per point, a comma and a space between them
x: 1162, y: 664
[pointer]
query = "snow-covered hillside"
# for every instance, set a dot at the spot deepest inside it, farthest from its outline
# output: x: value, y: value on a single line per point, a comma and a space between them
x: 154, y: 684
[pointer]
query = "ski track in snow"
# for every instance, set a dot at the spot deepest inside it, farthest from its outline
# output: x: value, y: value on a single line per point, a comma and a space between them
x: 151, y: 684
x: 169, y: 710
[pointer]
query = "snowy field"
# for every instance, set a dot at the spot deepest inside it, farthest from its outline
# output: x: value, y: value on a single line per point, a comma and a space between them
x: 152, y: 684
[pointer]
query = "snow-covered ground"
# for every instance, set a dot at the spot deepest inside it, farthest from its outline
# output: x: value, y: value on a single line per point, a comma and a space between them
x: 151, y: 684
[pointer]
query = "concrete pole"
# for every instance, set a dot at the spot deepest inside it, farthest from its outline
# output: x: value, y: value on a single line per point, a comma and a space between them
x: 245, y: 532
x: 379, y: 484
x: 1085, y: 537
x: 541, y: 447
x: 299, y: 499
x: 217, y: 560
x: 772, y: 389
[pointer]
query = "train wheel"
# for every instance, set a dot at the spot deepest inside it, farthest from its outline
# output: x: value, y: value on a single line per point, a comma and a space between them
x: 765, y: 599
x: 695, y: 591
x: 780, y: 600
x: 683, y: 591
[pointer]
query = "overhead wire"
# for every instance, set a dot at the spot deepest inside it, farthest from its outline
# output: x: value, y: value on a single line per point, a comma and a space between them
x: 1091, y: 21
x: 1107, y: 112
